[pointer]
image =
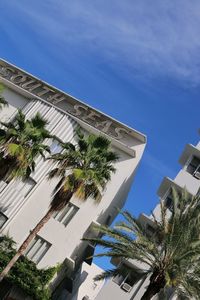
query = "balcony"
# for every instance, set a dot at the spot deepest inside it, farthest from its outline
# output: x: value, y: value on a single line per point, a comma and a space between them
x: 189, y: 151
x: 92, y: 231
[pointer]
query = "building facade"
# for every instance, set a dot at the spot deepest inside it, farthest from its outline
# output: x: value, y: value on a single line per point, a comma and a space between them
x: 130, y: 287
x: 23, y: 203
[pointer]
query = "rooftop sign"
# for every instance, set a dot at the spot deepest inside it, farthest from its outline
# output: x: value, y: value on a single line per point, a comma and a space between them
x: 66, y: 102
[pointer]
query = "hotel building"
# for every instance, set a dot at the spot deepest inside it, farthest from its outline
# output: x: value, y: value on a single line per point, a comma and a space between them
x: 23, y: 203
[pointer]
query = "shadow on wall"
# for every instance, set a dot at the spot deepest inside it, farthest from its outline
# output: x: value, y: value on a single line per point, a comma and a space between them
x: 108, y: 215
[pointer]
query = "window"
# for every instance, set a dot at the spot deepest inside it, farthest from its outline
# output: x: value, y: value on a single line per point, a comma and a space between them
x: 150, y: 229
x: 27, y: 185
x: 3, y: 185
x: 119, y: 279
x: 132, y: 278
x: 37, y: 249
x: 3, y: 219
x: 88, y: 254
x: 169, y: 201
x: 127, y: 280
x: 108, y: 220
x: 55, y: 147
x: 65, y: 286
x: 66, y: 214
x: 194, y: 166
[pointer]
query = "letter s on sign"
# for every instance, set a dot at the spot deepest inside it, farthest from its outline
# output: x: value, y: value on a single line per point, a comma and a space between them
x: 91, y: 116
x: 18, y: 78
x: 118, y: 130
x: 78, y: 110
x: 6, y: 71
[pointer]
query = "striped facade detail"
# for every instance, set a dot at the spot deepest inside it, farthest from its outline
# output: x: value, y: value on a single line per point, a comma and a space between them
x: 12, y: 196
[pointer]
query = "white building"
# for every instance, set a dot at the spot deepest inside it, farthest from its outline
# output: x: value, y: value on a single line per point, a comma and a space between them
x: 22, y: 204
x: 129, y: 287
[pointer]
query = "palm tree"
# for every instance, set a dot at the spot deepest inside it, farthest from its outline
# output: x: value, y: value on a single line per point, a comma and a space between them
x: 83, y: 170
x: 170, y: 257
x: 21, y: 141
x: 3, y: 102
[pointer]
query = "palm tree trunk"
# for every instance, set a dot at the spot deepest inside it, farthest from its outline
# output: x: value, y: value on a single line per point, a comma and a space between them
x: 27, y: 241
x: 157, y: 282
x: 150, y: 292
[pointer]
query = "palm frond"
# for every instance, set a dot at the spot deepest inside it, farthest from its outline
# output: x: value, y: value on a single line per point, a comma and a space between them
x: 23, y: 140
x: 172, y: 254
x: 89, y: 163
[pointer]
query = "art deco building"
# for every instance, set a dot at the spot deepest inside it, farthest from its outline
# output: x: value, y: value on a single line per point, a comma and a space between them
x: 23, y: 203
x: 131, y: 287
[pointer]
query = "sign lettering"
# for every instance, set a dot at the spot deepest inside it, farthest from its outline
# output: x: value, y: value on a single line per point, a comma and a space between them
x: 47, y: 93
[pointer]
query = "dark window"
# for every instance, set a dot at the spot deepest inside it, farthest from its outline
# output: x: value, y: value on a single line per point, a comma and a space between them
x: 169, y: 201
x: 119, y: 279
x: 3, y: 219
x: 65, y: 287
x: 132, y: 278
x: 88, y: 254
x: 108, y: 220
x: 194, y: 165
x: 128, y: 279
x: 5, y: 289
x: 150, y: 229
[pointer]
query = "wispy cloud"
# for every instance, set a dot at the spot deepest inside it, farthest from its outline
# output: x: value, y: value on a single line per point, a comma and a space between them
x: 147, y: 38
x: 157, y: 166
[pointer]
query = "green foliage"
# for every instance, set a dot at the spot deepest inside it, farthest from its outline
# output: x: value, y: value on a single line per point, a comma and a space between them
x: 171, y: 256
x: 21, y: 142
x: 25, y: 274
x: 83, y: 169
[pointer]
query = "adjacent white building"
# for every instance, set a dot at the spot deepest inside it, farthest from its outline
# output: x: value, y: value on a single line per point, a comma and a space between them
x: 130, y: 287
x: 22, y: 204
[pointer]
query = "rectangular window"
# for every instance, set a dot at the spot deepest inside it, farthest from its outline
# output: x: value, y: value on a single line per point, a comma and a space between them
x: 37, y: 249
x: 24, y: 187
x: 55, y: 147
x: 132, y: 278
x: 88, y: 254
x: 66, y: 214
x: 119, y: 279
x: 169, y: 201
x: 150, y: 229
x: 28, y: 185
x: 3, y: 219
x: 127, y: 280
x: 108, y: 220
x: 194, y: 166
x: 3, y: 185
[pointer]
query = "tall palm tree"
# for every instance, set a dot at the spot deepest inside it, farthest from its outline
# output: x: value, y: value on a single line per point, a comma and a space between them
x: 3, y: 102
x: 21, y: 141
x: 83, y: 170
x: 170, y: 257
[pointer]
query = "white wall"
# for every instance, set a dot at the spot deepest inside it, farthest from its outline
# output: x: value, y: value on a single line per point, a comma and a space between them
x: 87, y: 285
x: 26, y: 212
x: 15, y: 101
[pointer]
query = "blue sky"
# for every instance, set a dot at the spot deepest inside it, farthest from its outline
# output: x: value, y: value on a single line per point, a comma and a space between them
x: 138, y: 61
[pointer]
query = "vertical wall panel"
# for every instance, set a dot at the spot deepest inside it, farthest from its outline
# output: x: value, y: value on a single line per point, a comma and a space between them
x: 59, y: 124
